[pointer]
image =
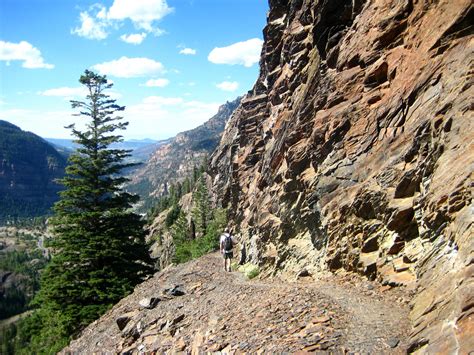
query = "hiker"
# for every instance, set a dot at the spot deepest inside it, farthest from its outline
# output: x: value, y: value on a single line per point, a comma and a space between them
x: 226, y: 246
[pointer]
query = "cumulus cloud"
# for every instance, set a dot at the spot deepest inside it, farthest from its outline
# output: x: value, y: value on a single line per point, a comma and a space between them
x: 162, y: 101
x: 33, y: 121
x: 92, y: 26
x: 125, y: 67
x: 228, y: 85
x: 76, y: 92
x: 154, y: 117
x: 98, y: 20
x: 134, y: 38
x: 187, y: 51
x: 64, y: 92
x: 245, y: 53
x: 161, y: 83
x: 141, y: 12
x: 164, y: 117
x: 25, y: 52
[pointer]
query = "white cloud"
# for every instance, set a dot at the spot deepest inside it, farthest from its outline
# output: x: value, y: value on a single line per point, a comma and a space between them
x: 187, y: 51
x: 77, y: 92
x: 134, y: 38
x: 164, y: 117
x: 161, y: 83
x: 162, y: 101
x: 64, y: 92
x: 33, y: 121
x: 154, y: 117
x: 245, y: 53
x: 25, y: 52
x: 95, y: 23
x: 142, y: 12
x: 92, y: 27
x: 125, y: 67
x: 228, y: 85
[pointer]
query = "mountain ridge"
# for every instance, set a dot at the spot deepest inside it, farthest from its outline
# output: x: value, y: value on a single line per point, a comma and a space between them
x: 29, y: 165
x: 175, y: 159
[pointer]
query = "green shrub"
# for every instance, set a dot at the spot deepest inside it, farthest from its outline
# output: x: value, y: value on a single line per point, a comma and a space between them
x: 249, y: 270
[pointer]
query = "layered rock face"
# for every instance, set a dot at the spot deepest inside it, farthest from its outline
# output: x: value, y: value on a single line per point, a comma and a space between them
x: 28, y: 169
x: 355, y: 151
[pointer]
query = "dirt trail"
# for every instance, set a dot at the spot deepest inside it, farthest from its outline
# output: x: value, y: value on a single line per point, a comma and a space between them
x: 201, y: 308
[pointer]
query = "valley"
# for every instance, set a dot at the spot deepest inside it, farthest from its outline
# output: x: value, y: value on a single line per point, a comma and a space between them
x: 22, y: 257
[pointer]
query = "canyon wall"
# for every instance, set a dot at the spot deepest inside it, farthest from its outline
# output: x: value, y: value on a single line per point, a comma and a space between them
x: 355, y: 151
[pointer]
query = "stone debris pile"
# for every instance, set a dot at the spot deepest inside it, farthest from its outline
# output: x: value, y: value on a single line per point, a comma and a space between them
x: 197, y: 307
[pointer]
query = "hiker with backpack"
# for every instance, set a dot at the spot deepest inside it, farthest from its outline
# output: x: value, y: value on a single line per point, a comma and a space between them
x: 226, y: 246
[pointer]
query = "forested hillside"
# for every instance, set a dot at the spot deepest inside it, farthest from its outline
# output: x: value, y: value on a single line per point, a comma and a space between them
x: 28, y: 167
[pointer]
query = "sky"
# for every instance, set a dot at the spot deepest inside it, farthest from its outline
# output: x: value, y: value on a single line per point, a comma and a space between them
x: 172, y: 62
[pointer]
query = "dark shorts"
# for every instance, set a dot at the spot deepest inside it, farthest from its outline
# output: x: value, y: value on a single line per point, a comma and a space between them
x: 228, y: 255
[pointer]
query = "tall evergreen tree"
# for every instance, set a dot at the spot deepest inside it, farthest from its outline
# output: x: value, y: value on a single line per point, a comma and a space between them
x: 100, y: 252
x: 180, y: 234
x: 201, y: 211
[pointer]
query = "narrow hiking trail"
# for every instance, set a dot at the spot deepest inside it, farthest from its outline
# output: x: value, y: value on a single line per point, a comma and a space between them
x: 197, y: 307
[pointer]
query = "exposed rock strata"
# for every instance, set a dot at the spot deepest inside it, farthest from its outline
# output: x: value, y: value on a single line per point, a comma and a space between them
x: 355, y: 151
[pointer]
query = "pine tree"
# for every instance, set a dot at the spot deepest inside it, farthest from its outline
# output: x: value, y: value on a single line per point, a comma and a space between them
x: 100, y: 252
x: 201, y: 212
x: 180, y: 233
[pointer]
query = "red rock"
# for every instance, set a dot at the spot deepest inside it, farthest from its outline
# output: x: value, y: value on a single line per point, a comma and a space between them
x: 359, y: 124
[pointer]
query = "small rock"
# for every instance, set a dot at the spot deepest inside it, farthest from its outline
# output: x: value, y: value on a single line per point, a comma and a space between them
x: 149, y: 303
x: 304, y: 273
x: 393, y: 342
x: 322, y: 319
x: 244, y: 345
x: 180, y: 345
x: 370, y: 287
x: 178, y: 319
x: 176, y: 291
x: 131, y: 332
x: 123, y: 319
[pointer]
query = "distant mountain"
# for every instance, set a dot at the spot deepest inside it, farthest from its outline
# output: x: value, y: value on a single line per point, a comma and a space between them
x: 28, y: 167
x: 141, y: 148
x: 174, y: 159
x: 62, y: 143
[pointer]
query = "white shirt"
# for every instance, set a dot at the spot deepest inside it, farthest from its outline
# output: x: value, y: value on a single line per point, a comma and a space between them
x: 223, y: 236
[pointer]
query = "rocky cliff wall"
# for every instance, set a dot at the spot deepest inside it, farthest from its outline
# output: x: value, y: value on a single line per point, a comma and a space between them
x: 355, y: 151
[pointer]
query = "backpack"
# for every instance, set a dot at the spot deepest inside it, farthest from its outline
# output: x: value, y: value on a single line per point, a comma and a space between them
x: 228, y: 245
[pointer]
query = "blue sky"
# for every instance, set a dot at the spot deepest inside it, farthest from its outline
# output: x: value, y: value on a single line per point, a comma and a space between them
x: 172, y: 62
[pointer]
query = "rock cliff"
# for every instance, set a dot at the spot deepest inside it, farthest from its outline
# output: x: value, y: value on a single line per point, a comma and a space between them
x: 355, y: 151
x: 28, y: 167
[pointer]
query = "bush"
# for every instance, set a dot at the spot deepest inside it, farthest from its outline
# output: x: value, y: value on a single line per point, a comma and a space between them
x: 187, y: 249
x: 249, y: 270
